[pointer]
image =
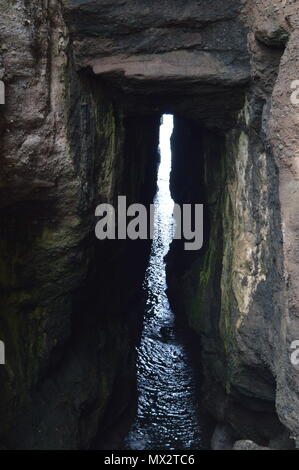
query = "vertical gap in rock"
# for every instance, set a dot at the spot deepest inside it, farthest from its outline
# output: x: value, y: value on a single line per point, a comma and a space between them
x: 168, y: 414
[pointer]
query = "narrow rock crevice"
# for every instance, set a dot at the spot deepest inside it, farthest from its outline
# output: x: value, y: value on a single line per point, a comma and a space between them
x: 86, y: 84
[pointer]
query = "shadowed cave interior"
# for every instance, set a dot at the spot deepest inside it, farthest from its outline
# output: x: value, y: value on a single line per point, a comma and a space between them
x: 72, y: 306
x: 201, y: 167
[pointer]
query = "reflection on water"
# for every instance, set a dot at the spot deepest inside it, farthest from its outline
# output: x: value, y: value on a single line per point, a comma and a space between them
x: 167, y: 417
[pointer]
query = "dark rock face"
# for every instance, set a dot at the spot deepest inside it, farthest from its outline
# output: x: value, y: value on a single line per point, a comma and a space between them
x: 132, y: 30
x: 204, y: 286
x: 234, y: 293
x: 66, y: 316
x: 167, y: 57
x: 86, y: 83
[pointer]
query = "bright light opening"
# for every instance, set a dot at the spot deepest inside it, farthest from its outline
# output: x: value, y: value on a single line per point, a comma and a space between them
x: 166, y: 130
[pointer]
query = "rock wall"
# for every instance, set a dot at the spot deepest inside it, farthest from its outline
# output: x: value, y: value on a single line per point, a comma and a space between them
x: 187, y: 58
x: 239, y: 294
x: 66, y: 324
x: 86, y: 82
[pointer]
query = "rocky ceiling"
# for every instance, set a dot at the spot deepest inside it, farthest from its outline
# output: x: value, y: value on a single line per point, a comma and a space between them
x: 184, y: 58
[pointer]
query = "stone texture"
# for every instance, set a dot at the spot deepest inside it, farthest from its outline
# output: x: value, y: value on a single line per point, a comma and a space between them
x: 69, y: 339
x: 240, y: 294
x: 86, y: 83
x: 223, y: 438
x: 151, y: 54
x: 248, y: 445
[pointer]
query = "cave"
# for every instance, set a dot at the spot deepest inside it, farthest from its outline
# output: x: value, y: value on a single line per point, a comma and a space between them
x: 81, y: 126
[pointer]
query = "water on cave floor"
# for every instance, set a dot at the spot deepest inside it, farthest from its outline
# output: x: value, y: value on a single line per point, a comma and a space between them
x: 168, y: 414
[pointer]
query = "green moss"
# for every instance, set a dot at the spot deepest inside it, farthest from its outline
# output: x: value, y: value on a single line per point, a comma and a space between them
x: 205, y: 289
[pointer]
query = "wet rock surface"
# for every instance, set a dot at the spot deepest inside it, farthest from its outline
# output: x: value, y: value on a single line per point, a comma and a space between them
x: 168, y: 415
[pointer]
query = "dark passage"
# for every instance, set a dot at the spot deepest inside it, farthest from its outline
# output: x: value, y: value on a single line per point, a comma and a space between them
x: 168, y: 416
